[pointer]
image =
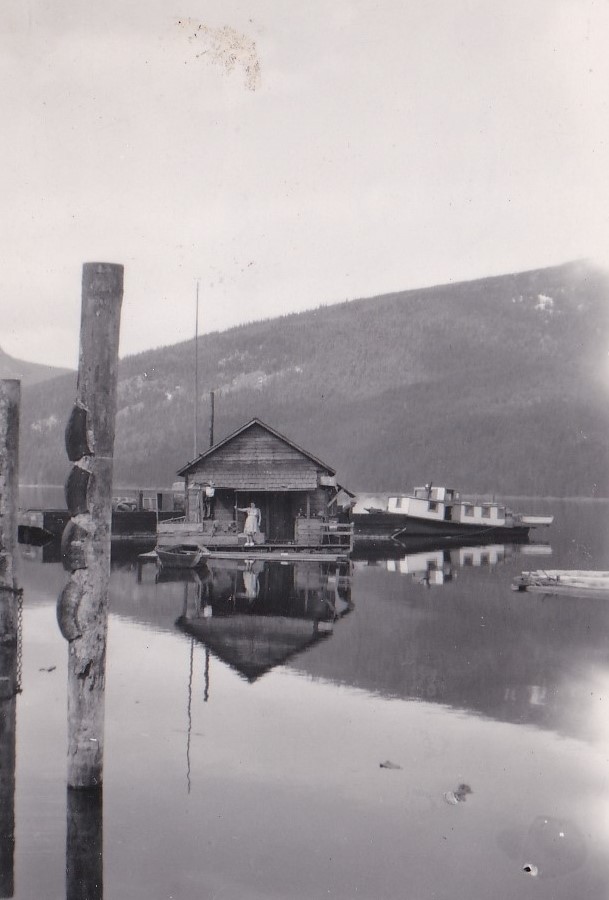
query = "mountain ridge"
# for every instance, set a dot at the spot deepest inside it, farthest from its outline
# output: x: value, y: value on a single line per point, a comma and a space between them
x: 497, y: 384
x: 27, y: 372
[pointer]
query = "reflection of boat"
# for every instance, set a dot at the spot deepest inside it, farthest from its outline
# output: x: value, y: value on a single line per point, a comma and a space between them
x: 183, y: 556
x: 397, y: 548
x: 164, y: 574
x: 440, y: 511
x: 428, y: 568
x: 438, y: 566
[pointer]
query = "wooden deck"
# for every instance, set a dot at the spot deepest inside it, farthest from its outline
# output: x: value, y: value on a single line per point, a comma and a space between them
x: 310, y: 535
x: 277, y: 553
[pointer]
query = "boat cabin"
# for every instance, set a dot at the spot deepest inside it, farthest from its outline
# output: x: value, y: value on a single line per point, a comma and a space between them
x: 428, y: 502
x: 297, y: 494
x: 491, y: 514
x: 444, y: 505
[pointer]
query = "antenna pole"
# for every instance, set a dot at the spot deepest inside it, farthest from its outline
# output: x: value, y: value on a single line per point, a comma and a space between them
x: 211, y: 419
x: 196, y: 422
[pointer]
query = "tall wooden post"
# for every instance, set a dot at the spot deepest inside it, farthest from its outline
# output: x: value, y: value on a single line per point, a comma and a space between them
x: 10, y: 396
x: 8, y: 730
x: 82, y: 609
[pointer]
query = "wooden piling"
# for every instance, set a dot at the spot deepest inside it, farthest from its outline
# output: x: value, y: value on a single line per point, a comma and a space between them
x: 8, y: 723
x: 84, y: 845
x: 10, y: 397
x: 82, y: 608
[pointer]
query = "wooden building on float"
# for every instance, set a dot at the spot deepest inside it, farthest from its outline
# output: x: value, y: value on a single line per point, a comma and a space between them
x: 300, y: 501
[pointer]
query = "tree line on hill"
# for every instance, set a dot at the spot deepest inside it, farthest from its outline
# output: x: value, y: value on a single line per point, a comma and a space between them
x: 497, y: 385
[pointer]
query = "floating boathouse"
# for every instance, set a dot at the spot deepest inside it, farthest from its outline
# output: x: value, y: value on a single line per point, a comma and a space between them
x: 297, y: 494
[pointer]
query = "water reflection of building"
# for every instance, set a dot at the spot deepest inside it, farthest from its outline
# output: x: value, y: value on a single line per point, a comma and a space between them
x: 490, y: 650
x: 256, y: 615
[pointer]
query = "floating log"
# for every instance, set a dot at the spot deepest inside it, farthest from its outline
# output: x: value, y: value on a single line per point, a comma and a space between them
x: 577, y: 582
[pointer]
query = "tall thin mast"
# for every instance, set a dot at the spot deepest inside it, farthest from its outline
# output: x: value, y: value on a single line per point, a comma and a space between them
x: 196, y: 422
x: 211, y: 418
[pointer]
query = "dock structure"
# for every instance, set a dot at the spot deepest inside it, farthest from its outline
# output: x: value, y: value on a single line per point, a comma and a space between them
x: 82, y: 608
x: 135, y: 514
x: 300, y: 501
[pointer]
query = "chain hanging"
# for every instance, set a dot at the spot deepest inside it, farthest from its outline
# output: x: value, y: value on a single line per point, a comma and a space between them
x: 18, y: 673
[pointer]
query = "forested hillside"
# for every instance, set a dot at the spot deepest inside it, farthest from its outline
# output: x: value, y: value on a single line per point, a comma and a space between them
x: 496, y: 385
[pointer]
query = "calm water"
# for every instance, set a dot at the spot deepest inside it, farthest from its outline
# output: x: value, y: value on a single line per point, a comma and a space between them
x: 248, y: 712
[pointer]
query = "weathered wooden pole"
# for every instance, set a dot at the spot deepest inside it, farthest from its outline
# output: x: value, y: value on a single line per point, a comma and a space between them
x: 85, y: 846
x: 10, y: 396
x: 82, y: 608
x: 8, y: 722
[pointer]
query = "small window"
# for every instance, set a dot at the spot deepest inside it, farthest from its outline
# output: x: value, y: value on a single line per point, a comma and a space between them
x: 486, y: 512
x: 468, y: 510
x: 433, y: 506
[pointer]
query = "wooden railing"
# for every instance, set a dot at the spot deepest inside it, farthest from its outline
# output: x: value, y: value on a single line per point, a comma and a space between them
x: 320, y: 533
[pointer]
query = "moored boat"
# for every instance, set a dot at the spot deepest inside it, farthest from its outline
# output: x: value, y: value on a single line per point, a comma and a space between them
x: 440, y: 511
x: 183, y: 556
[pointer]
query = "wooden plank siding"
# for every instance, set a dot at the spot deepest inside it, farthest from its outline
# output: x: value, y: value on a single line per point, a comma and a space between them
x: 256, y: 460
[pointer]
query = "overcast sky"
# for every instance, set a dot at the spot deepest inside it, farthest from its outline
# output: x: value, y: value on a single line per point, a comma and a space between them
x: 289, y: 154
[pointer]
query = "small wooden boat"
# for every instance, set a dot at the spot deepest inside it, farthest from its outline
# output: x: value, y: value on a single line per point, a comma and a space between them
x: 574, y: 582
x: 183, y: 556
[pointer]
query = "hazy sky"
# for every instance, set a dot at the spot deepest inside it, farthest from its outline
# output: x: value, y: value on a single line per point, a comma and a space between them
x: 289, y: 154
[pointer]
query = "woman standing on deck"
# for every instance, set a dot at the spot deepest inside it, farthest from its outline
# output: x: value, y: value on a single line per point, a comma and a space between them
x: 252, y: 522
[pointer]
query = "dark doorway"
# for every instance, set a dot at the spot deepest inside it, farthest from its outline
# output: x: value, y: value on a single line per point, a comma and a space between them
x: 281, y: 516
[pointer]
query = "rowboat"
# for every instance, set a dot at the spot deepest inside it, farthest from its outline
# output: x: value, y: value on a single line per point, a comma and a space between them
x: 183, y: 556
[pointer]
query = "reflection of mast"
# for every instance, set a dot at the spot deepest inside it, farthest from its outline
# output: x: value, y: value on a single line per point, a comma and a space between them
x: 206, y: 691
x: 189, y: 711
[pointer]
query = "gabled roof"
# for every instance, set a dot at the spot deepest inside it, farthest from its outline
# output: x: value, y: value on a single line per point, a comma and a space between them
x: 189, y: 465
